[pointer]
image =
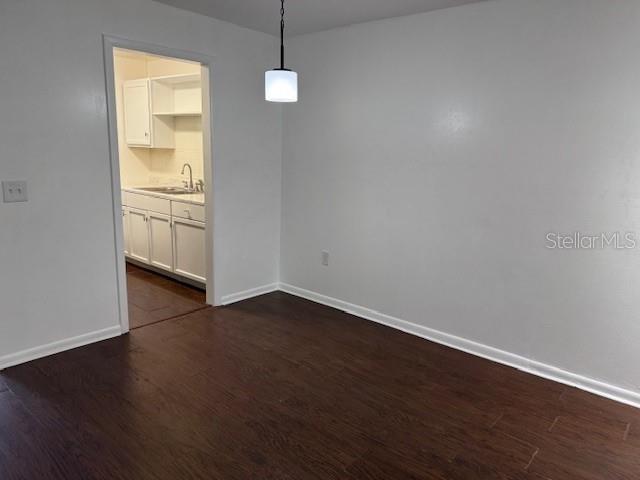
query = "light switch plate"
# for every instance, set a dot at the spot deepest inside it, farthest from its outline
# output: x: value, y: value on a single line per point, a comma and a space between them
x: 14, y: 191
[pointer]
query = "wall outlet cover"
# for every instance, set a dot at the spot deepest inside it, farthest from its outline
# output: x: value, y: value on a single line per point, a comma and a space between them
x: 14, y: 191
x: 325, y: 258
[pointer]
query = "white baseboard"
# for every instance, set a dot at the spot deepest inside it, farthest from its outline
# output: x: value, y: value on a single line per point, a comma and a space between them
x: 59, y: 346
x: 244, y: 295
x: 550, y: 372
x: 521, y: 363
x: 81, y: 340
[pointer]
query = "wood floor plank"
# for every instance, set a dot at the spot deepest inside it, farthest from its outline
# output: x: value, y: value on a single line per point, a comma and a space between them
x: 153, y: 298
x: 277, y: 387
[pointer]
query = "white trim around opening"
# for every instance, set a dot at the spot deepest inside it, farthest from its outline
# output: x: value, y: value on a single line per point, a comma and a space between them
x: 109, y: 44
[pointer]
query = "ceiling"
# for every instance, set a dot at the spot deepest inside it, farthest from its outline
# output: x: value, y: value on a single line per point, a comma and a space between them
x: 306, y: 16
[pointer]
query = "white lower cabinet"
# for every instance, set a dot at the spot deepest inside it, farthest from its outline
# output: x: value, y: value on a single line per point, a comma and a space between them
x: 125, y: 229
x: 138, y: 235
x: 160, y: 241
x: 189, y: 249
x: 168, y: 242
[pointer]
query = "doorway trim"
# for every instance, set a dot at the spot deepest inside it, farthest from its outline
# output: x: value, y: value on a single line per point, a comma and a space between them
x: 109, y: 44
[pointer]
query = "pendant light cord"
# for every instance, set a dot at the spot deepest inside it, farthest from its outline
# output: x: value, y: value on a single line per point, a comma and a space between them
x: 282, y: 35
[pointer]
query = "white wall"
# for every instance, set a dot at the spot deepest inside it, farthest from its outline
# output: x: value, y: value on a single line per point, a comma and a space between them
x: 135, y: 163
x: 431, y: 154
x: 144, y: 166
x: 57, y: 260
x: 159, y: 66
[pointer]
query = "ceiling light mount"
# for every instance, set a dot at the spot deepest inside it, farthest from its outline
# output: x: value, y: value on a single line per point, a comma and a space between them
x: 281, y: 84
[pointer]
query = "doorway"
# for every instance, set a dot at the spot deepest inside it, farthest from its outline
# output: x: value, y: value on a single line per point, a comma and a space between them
x: 160, y: 137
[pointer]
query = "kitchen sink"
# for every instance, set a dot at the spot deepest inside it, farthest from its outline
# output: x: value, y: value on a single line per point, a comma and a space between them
x: 170, y: 190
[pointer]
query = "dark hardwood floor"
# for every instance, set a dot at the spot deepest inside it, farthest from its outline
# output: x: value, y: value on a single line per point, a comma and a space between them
x: 280, y: 388
x: 154, y: 298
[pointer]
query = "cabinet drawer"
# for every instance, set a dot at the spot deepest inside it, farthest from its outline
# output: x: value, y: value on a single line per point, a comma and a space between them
x: 187, y: 210
x: 146, y: 202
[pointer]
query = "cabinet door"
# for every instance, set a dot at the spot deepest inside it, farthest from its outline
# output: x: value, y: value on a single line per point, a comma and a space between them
x: 138, y: 235
x: 189, y: 249
x: 125, y: 230
x: 161, y: 241
x: 137, y: 115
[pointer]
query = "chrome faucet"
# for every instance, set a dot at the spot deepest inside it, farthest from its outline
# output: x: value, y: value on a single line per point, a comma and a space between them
x: 190, y: 174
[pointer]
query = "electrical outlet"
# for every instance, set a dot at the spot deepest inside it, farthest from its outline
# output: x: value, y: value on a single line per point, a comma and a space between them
x: 325, y: 258
x: 14, y: 191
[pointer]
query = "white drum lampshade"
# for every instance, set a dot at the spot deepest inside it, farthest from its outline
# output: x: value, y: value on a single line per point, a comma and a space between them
x: 281, y: 86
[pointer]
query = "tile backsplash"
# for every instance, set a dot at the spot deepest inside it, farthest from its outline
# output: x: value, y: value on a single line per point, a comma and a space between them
x: 166, y: 164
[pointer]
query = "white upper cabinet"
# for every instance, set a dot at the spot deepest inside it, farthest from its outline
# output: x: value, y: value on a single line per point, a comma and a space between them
x: 137, y: 113
x: 152, y: 104
x: 176, y: 95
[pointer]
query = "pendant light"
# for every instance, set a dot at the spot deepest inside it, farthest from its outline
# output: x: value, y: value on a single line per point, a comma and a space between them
x: 281, y: 84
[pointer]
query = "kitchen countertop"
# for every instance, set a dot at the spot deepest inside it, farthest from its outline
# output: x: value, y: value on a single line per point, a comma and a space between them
x: 194, y: 198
